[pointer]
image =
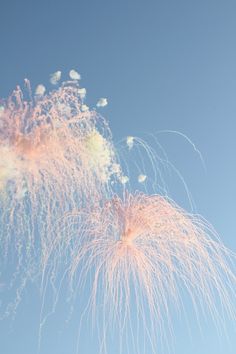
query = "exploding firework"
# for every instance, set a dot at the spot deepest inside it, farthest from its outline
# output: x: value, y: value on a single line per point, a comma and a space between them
x: 142, y: 253
x: 55, y: 152
x: 138, y: 254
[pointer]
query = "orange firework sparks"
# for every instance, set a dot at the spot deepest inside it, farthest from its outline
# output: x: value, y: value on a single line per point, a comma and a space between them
x: 142, y: 252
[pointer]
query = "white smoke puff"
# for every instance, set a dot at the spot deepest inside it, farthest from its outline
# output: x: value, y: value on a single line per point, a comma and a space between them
x: 74, y: 75
x: 40, y: 90
x: 84, y: 108
x: 82, y: 92
x: 55, y: 77
x: 142, y: 178
x: 102, y: 102
x: 130, y: 141
x: 124, y: 179
x: 1, y: 110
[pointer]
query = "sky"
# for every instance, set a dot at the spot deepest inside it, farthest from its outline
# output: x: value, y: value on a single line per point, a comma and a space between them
x: 163, y: 65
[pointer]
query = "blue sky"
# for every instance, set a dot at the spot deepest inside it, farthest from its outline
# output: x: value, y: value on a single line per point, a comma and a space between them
x: 163, y: 65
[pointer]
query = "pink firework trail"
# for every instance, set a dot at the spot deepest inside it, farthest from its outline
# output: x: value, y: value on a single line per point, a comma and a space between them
x: 55, y: 152
x: 141, y: 253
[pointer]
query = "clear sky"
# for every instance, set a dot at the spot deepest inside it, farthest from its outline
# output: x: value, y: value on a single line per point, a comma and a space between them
x: 163, y: 65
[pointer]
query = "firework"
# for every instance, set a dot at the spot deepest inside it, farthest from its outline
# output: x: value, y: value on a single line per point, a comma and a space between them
x: 141, y: 253
x: 54, y: 153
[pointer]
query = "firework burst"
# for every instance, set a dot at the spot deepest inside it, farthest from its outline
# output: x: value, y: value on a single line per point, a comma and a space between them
x: 54, y: 153
x: 141, y: 253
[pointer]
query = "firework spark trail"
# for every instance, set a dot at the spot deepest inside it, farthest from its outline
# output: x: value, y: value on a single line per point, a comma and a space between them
x: 148, y: 168
x: 141, y: 251
x: 54, y: 154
